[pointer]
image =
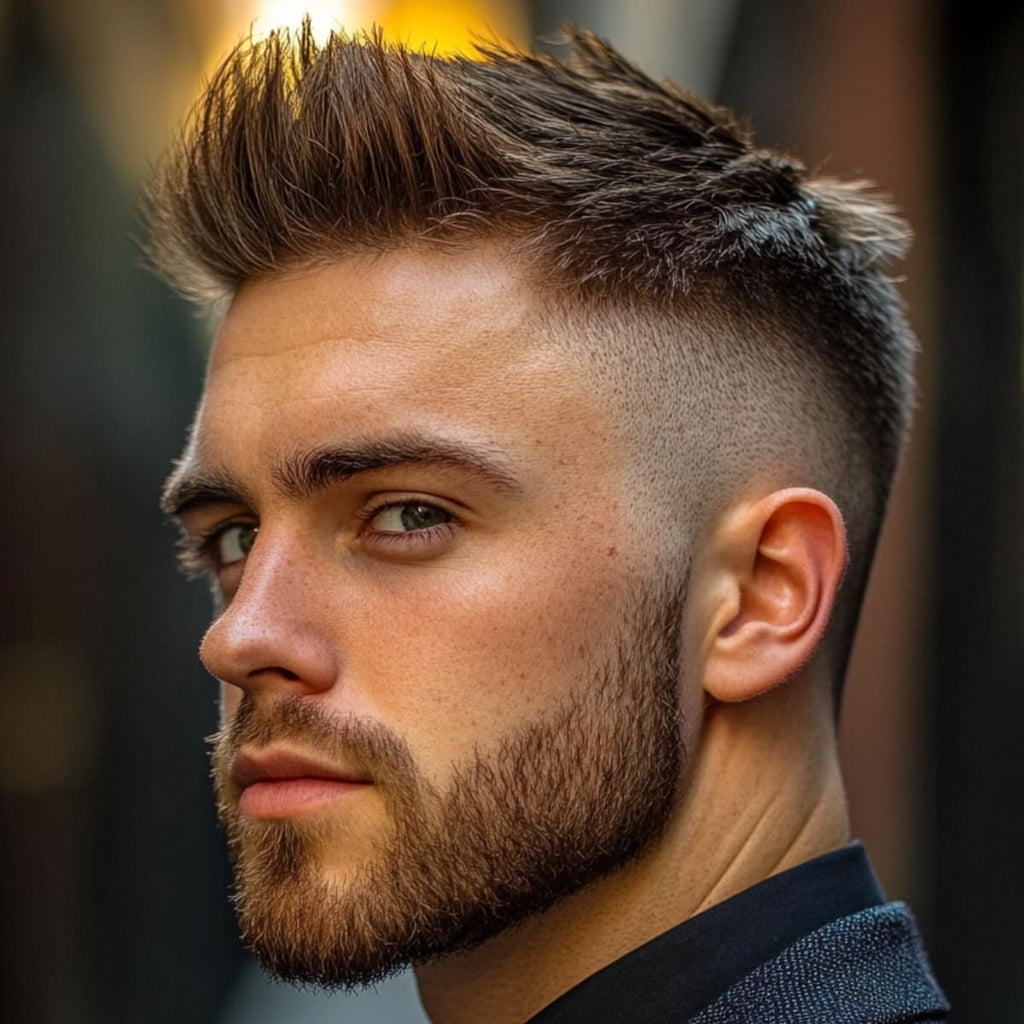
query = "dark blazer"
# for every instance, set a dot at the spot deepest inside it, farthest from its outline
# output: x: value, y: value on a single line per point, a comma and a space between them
x: 867, y: 968
x: 816, y: 944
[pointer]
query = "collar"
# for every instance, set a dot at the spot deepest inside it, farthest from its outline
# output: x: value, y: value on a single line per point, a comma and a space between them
x: 687, y: 967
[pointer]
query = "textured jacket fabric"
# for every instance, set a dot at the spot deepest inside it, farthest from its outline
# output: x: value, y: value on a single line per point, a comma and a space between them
x: 816, y: 944
x: 868, y: 968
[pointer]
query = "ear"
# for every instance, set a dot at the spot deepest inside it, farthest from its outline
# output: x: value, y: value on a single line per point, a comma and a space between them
x: 778, y: 563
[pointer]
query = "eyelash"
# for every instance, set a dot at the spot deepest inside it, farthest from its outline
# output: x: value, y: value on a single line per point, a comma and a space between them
x: 197, y: 551
x: 411, y: 538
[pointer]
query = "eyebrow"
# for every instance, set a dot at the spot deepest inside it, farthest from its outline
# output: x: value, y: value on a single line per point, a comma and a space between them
x: 305, y: 473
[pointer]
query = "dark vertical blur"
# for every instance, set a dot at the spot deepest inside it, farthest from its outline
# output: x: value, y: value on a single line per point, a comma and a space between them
x: 112, y: 877
x: 978, y: 628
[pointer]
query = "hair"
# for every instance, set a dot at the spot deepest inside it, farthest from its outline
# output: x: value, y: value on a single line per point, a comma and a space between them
x: 677, y: 249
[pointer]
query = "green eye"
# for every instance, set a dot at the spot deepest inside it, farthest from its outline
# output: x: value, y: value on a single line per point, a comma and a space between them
x: 409, y: 517
x: 235, y: 543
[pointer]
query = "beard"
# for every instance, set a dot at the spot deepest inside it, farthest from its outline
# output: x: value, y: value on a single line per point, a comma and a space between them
x: 558, y: 803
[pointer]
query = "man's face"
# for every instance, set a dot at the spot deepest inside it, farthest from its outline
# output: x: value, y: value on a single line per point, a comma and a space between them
x: 449, y: 657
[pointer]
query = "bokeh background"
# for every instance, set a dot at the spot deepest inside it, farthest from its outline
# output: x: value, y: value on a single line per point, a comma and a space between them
x: 113, y: 878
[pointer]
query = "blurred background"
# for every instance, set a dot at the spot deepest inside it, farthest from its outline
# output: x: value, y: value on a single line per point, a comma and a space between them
x: 114, y: 881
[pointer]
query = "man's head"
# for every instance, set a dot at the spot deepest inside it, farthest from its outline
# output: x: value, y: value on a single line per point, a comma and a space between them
x: 529, y: 428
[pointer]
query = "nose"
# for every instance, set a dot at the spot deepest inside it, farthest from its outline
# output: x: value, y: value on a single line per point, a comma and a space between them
x: 271, y: 635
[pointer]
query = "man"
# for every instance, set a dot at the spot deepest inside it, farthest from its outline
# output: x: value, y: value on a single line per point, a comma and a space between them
x: 546, y: 438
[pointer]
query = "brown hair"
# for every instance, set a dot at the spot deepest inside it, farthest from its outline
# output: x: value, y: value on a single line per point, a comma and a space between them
x: 624, y: 192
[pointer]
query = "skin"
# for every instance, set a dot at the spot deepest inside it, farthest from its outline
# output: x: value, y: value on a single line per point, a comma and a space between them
x: 454, y: 638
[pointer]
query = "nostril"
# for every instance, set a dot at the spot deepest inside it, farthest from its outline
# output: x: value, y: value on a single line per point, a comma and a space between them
x: 277, y: 670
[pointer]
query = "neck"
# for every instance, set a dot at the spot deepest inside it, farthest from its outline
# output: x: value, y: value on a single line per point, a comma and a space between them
x: 761, y: 794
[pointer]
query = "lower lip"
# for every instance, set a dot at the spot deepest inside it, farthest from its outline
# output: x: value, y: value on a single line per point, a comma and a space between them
x: 282, y: 798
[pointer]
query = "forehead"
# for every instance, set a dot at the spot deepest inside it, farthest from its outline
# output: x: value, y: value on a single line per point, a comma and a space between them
x: 406, y: 340
x: 402, y: 296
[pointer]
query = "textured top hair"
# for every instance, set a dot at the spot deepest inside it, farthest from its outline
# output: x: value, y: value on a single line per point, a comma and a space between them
x: 620, y: 192
x: 609, y: 179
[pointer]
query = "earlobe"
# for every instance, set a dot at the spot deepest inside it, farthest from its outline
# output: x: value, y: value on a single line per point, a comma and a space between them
x: 780, y: 561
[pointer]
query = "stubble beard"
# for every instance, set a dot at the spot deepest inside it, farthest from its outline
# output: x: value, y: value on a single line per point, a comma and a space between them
x: 558, y: 803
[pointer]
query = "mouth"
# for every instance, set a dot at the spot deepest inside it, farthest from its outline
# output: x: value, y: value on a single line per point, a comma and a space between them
x: 280, y: 784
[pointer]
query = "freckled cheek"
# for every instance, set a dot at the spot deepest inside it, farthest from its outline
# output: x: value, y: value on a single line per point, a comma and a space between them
x: 464, y: 663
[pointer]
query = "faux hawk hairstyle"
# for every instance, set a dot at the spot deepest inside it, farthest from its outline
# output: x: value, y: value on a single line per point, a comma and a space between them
x: 619, y: 191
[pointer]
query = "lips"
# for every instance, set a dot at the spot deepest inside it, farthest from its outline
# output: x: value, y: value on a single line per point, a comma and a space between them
x: 278, y: 765
x: 279, y: 784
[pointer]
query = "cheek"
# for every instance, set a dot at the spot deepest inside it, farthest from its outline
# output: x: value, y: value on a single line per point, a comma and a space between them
x: 461, y: 657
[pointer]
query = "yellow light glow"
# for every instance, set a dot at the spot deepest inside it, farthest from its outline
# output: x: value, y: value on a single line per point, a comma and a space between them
x: 447, y: 27
x: 442, y: 26
x: 324, y: 15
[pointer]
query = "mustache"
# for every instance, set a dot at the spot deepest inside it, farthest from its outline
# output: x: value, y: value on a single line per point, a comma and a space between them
x: 367, y: 746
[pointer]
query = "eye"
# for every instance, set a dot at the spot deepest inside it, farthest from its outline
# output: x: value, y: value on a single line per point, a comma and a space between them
x: 409, y: 517
x: 234, y: 543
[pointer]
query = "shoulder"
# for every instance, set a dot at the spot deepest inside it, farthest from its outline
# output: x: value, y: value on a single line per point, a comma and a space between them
x: 867, y: 968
